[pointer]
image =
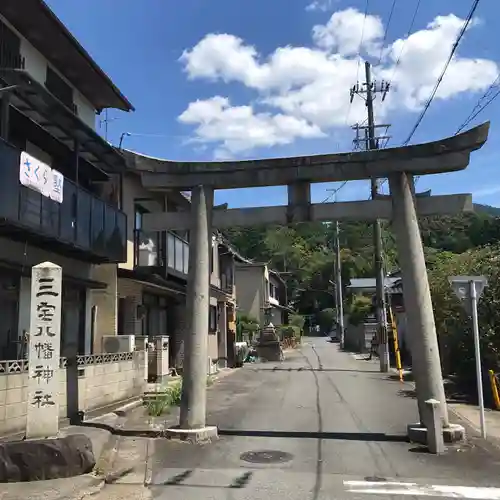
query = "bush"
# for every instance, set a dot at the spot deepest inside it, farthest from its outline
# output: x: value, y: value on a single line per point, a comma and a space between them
x: 246, y: 326
x: 289, y: 331
x: 359, y: 309
x: 452, y: 323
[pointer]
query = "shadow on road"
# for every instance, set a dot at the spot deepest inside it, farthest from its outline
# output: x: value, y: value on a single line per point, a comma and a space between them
x: 346, y: 436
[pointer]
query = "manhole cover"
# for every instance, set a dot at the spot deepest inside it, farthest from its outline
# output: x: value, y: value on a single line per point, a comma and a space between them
x: 266, y: 457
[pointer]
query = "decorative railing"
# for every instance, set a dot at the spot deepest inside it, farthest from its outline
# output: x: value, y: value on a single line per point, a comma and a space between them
x: 11, y: 367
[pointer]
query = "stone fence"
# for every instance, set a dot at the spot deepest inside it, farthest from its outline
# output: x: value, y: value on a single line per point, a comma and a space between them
x: 103, y: 379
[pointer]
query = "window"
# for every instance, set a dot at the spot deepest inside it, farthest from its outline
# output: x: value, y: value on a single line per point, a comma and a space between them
x: 60, y: 89
x: 212, y: 319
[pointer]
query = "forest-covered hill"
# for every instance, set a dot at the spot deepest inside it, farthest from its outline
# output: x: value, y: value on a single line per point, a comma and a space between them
x: 466, y: 244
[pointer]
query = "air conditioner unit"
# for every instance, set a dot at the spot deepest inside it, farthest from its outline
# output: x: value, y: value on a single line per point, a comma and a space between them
x: 113, y: 344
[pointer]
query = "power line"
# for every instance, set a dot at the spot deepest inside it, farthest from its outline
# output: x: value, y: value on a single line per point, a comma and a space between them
x: 438, y: 82
x: 490, y: 95
x: 367, y: 5
x: 362, y: 37
x: 401, y: 52
x: 387, y: 29
x: 398, y: 60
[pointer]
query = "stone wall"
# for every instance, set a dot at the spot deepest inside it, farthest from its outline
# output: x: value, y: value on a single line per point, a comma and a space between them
x: 103, y: 380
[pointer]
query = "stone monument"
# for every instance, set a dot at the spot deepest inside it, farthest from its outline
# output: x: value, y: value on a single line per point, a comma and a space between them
x: 44, y: 352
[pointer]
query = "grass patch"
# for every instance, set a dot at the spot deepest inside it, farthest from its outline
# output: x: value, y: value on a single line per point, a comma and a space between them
x: 166, y: 398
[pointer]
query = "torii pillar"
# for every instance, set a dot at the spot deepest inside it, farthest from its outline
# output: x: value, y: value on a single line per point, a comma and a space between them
x: 194, y: 391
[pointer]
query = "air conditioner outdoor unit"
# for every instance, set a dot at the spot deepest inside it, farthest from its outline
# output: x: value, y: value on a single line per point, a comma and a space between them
x: 113, y: 344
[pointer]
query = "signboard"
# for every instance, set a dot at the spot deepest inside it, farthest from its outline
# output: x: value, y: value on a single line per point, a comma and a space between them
x: 38, y: 176
x: 461, y: 285
x: 44, y: 351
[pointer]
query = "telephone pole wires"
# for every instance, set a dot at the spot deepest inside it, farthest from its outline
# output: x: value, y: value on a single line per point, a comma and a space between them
x: 368, y: 90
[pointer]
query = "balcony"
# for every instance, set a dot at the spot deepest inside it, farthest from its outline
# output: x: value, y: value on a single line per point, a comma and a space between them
x: 82, y: 224
x: 162, y: 252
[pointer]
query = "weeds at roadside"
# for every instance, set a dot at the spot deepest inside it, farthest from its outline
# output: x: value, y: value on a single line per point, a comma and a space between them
x: 168, y: 397
x: 164, y: 399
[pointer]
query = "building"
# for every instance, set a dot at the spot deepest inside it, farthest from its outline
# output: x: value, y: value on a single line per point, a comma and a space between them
x: 261, y: 291
x: 61, y: 200
x: 152, y: 284
x: 59, y: 196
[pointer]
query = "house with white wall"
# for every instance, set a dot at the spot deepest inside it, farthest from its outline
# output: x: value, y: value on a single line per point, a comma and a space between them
x: 261, y: 290
x: 60, y: 201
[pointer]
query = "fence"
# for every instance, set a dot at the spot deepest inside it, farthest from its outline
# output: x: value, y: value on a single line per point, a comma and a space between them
x: 103, y: 379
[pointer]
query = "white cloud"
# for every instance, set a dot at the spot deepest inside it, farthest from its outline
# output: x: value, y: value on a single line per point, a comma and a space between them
x: 345, y: 30
x: 239, y: 128
x: 308, y: 87
x: 320, y: 5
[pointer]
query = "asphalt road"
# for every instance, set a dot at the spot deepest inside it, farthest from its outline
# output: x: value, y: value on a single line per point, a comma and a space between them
x: 320, y: 425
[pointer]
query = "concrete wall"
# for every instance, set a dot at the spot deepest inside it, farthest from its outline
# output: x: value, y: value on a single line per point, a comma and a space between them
x: 102, y: 383
x: 36, y: 65
x: 251, y: 290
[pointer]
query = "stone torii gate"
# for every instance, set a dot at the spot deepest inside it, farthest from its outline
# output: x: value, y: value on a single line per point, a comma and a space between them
x: 399, y: 165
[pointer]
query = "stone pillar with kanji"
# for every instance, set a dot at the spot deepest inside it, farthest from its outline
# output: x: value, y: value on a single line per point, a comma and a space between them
x: 44, y: 351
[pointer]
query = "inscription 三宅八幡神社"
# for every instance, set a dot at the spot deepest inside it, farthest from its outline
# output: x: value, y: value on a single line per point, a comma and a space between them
x: 44, y: 351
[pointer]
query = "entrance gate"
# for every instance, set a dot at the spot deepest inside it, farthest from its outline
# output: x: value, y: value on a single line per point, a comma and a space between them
x: 399, y: 165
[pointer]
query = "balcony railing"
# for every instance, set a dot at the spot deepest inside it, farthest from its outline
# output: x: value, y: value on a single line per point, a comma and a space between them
x: 10, y: 56
x: 161, y: 249
x: 82, y: 222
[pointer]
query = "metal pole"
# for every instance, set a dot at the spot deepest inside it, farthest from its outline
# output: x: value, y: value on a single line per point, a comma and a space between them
x: 338, y: 286
x: 377, y: 238
x: 475, y: 327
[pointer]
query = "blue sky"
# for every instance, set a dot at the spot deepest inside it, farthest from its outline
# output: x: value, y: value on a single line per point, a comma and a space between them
x: 225, y: 79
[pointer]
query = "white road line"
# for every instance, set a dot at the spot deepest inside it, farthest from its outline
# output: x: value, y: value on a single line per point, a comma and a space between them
x: 427, y: 490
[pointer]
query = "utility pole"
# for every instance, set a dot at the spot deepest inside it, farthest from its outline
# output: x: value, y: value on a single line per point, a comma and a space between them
x: 338, y: 287
x: 368, y: 90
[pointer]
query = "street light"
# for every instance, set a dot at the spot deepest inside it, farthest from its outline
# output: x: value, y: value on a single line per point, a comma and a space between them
x: 127, y: 134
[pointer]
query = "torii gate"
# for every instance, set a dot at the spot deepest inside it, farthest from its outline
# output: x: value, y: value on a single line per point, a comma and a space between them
x: 399, y: 165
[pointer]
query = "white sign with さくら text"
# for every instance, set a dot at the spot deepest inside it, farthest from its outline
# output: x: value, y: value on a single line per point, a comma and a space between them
x: 44, y: 351
x: 38, y: 176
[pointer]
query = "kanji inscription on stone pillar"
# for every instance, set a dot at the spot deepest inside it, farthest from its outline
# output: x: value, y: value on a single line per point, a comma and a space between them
x: 44, y: 351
